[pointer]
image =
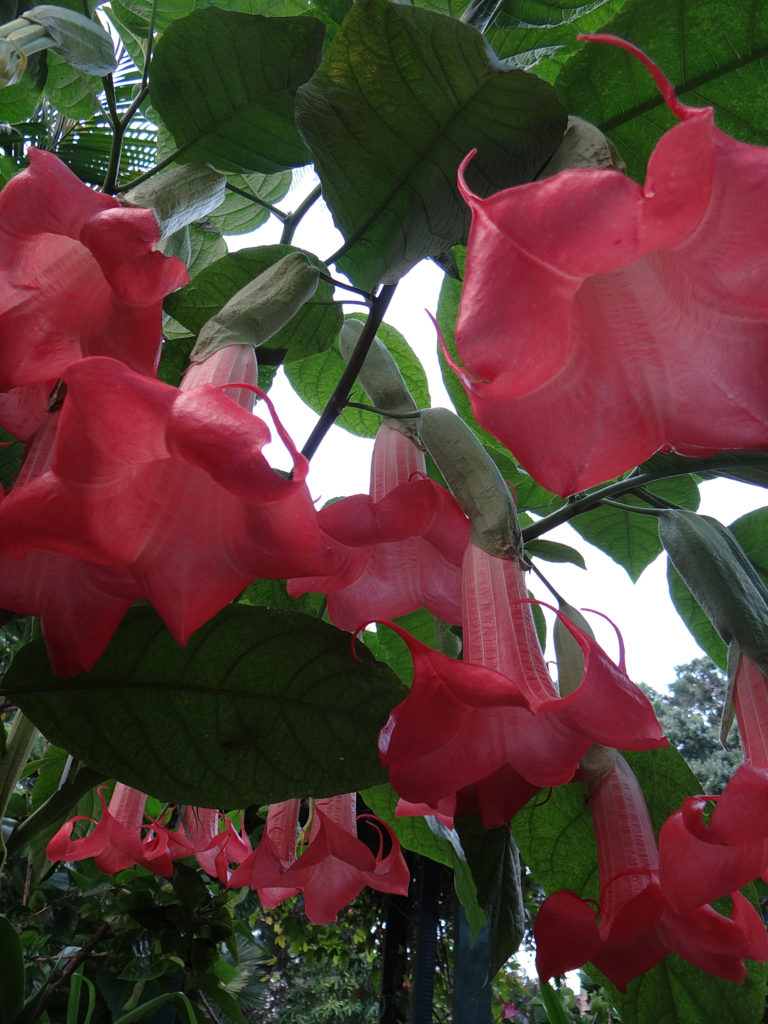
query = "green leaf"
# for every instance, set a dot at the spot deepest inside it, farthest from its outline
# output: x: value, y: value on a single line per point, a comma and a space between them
x: 714, y: 54
x: 552, y: 551
x: 315, y: 326
x: 224, y: 84
x: 71, y: 91
x: 495, y: 865
x: 238, y: 214
x: 262, y: 705
x: 313, y: 379
x: 632, y: 539
x: 11, y: 973
x: 401, y: 97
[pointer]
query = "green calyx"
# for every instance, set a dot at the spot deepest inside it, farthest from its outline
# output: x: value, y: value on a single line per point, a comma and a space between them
x: 180, y: 196
x: 261, y: 308
x: 475, y: 481
x: 721, y: 577
x: 381, y: 379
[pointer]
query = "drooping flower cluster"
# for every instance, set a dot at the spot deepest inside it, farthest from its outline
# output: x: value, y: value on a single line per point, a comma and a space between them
x: 332, y: 869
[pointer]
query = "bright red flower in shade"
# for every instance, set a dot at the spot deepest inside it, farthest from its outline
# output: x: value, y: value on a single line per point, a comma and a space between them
x: 79, y: 603
x: 332, y: 870
x: 622, y: 318
x: 170, y: 484
x: 636, y: 927
x: 78, y: 276
x: 483, y: 734
x: 401, y: 545
x: 702, y: 859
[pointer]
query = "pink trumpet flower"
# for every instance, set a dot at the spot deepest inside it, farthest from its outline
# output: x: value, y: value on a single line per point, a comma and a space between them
x: 401, y: 545
x: 636, y: 927
x: 117, y: 843
x: 79, y: 603
x: 702, y: 859
x: 626, y: 318
x: 171, y: 485
x: 78, y: 277
x: 332, y: 870
x: 483, y: 734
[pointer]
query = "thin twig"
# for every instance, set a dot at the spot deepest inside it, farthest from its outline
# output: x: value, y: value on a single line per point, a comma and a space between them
x: 291, y: 222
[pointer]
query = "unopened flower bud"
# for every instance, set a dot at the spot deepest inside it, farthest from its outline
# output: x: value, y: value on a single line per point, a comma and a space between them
x: 261, y: 308
x: 180, y: 196
x: 83, y: 43
x: 380, y: 378
x: 475, y: 481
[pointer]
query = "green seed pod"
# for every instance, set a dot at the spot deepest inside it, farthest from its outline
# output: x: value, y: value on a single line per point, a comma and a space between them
x: 380, y: 378
x: 261, y: 308
x: 723, y: 580
x: 475, y: 481
x: 180, y: 196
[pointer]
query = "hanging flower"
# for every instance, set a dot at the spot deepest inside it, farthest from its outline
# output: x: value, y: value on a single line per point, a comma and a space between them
x: 635, y: 927
x: 79, y: 603
x: 483, y: 734
x: 401, y: 545
x: 170, y: 484
x: 78, y: 277
x: 116, y: 842
x: 333, y: 868
x: 703, y: 857
x: 620, y: 318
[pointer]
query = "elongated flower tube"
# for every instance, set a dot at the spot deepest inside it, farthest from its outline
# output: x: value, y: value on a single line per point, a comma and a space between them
x: 626, y: 318
x: 635, y: 927
x: 78, y: 277
x: 332, y: 870
x: 703, y: 857
x: 172, y: 485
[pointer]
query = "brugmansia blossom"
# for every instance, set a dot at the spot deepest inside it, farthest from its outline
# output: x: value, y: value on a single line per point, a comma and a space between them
x: 483, y: 734
x: 170, y: 484
x: 704, y: 857
x: 602, y: 320
x: 78, y: 277
x: 635, y: 926
x: 79, y: 603
x: 333, y: 868
x: 399, y: 547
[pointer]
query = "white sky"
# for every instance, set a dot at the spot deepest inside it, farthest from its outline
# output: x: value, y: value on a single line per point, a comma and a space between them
x: 656, y: 640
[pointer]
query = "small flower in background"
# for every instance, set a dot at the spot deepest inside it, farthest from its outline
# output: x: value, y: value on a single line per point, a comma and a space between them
x: 626, y: 318
x: 635, y: 926
x: 401, y: 545
x: 508, y: 1011
x: 78, y: 277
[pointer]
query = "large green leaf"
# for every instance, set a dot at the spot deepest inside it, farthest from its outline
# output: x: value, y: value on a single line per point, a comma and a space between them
x: 714, y: 53
x: 556, y: 839
x: 495, y: 865
x: 401, y: 97
x: 631, y: 539
x: 239, y: 213
x: 224, y: 84
x: 692, y: 614
x: 262, y: 705
x: 314, y: 379
x: 312, y: 329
